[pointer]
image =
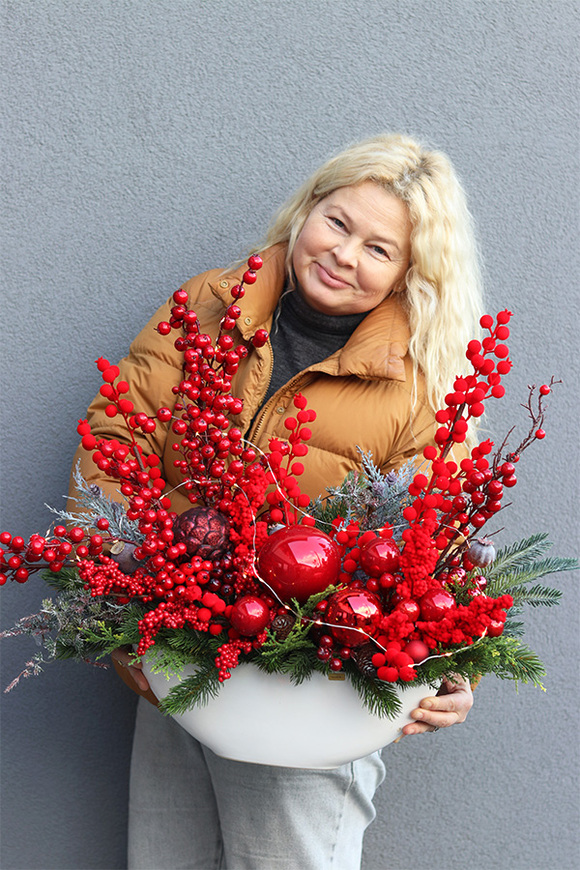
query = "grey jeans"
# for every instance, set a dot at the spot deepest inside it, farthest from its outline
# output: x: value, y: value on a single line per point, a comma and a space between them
x: 191, y: 809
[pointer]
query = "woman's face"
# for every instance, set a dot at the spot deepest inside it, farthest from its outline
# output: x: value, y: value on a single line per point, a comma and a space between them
x: 354, y: 249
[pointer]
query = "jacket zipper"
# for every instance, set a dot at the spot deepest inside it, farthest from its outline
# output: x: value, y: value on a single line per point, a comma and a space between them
x: 252, y: 436
x: 257, y: 425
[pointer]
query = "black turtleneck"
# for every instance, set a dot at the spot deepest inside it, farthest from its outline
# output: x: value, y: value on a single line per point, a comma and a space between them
x: 304, y: 336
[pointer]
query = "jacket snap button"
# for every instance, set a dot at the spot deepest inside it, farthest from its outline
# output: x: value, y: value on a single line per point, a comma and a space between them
x: 247, y: 320
x: 224, y: 284
x: 280, y: 410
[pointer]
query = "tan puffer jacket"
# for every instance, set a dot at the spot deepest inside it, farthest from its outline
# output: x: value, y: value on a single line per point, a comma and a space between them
x: 362, y: 394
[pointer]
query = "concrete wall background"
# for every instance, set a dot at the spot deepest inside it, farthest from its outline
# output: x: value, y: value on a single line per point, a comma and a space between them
x: 146, y: 141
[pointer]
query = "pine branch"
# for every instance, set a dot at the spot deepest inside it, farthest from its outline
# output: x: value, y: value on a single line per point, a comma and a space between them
x: 377, y: 696
x: 66, y: 580
x: 93, y: 504
x: 519, y: 555
x: 174, y: 649
x: 275, y: 654
x: 522, y: 665
x: 197, y: 689
x: 299, y: 664
x: 504, y: 656
x: 536, y: 596
x: 513, y: 628
x: 500, y: 584
x: 369, y: 497
x: 309, y: 607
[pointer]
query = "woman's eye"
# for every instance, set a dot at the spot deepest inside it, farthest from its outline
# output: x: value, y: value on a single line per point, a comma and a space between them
x: 380, y: 251
x: 337, y: 223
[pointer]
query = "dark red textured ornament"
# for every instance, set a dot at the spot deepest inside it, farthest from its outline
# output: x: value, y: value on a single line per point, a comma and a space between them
x: 299, y: 561
x: 380, y: 556
x: 204, y: 531
x: 353, y: 608
x: 250, y: 615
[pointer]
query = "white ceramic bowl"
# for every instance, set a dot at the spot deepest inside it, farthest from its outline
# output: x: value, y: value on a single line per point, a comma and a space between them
x: 266, y: 719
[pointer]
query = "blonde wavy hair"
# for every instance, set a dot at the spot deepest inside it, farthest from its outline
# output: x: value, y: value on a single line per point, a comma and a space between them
x: 443, y: 286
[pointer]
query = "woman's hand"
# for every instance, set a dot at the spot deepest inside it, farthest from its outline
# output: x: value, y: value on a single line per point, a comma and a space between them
x: 451, y: 705
x: 134, y: 669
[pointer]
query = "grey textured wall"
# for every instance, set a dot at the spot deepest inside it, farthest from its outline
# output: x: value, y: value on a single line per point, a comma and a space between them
x: 145, y: 141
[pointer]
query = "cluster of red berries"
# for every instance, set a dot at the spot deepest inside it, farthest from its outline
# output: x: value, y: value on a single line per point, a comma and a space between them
x: 40, y: 552
x: 431, y: 592
x: 287, y: 502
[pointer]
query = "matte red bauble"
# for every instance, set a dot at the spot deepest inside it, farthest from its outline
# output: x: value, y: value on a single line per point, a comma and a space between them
x: 299, y: 561
x: 434, y: 604
x: 204, y: 531
x: 249, y: 615
x: 417, y: 649
x: 380, y: 556
x: 353, y: 608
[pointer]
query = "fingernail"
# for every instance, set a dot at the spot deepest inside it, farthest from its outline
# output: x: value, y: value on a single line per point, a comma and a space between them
x: 418, y: 715
x: 427, y: 704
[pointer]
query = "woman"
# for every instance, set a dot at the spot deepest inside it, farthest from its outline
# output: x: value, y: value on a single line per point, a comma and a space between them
x: 370, y: 292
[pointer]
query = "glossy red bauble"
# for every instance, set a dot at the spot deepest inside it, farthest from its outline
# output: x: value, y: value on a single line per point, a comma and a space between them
x: 380, y: 556
x: 249, y: 615
x: 204, y: 531
x: 298, y: 561
x: 434, y: 604
x: 409, y: 608
x: 496, y: 627
x: 353, y: 609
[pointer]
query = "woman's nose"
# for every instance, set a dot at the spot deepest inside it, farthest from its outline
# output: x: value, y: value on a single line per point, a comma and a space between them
x: 346, y: 252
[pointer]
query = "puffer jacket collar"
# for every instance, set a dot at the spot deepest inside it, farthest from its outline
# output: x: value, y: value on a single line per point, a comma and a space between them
x: 376, y: 349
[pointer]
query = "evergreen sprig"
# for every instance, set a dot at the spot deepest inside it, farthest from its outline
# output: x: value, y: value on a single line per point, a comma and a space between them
x: 175, y: 649
x: 93, y: 505
x: 519, y: 555
x: 369, y: 497
x: 378, y: 697
x: 275, y: 653
x: 537, y: 596
x: 197, y: 689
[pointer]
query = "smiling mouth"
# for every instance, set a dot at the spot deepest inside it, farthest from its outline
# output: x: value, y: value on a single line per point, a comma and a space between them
x: 330, y: 279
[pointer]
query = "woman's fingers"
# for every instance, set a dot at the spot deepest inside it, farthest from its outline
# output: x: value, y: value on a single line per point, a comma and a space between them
x: 449, y: 707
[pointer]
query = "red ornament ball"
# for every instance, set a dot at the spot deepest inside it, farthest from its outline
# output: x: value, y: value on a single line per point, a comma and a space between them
x: 204, y: 531
x: 353, y: 609
x: 379, y: 556
x: 495, y: 628
x: 434, y: 604
x: 417, y: 649
x: 409, y: 608
x: 298, y: 561
x: 249, y: 615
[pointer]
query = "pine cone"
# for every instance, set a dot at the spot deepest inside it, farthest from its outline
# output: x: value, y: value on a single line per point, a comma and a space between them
x: 282, y: 625
x: 362, y: 657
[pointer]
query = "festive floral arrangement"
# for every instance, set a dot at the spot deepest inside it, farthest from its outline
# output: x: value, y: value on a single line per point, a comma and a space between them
x: 385, y: 578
